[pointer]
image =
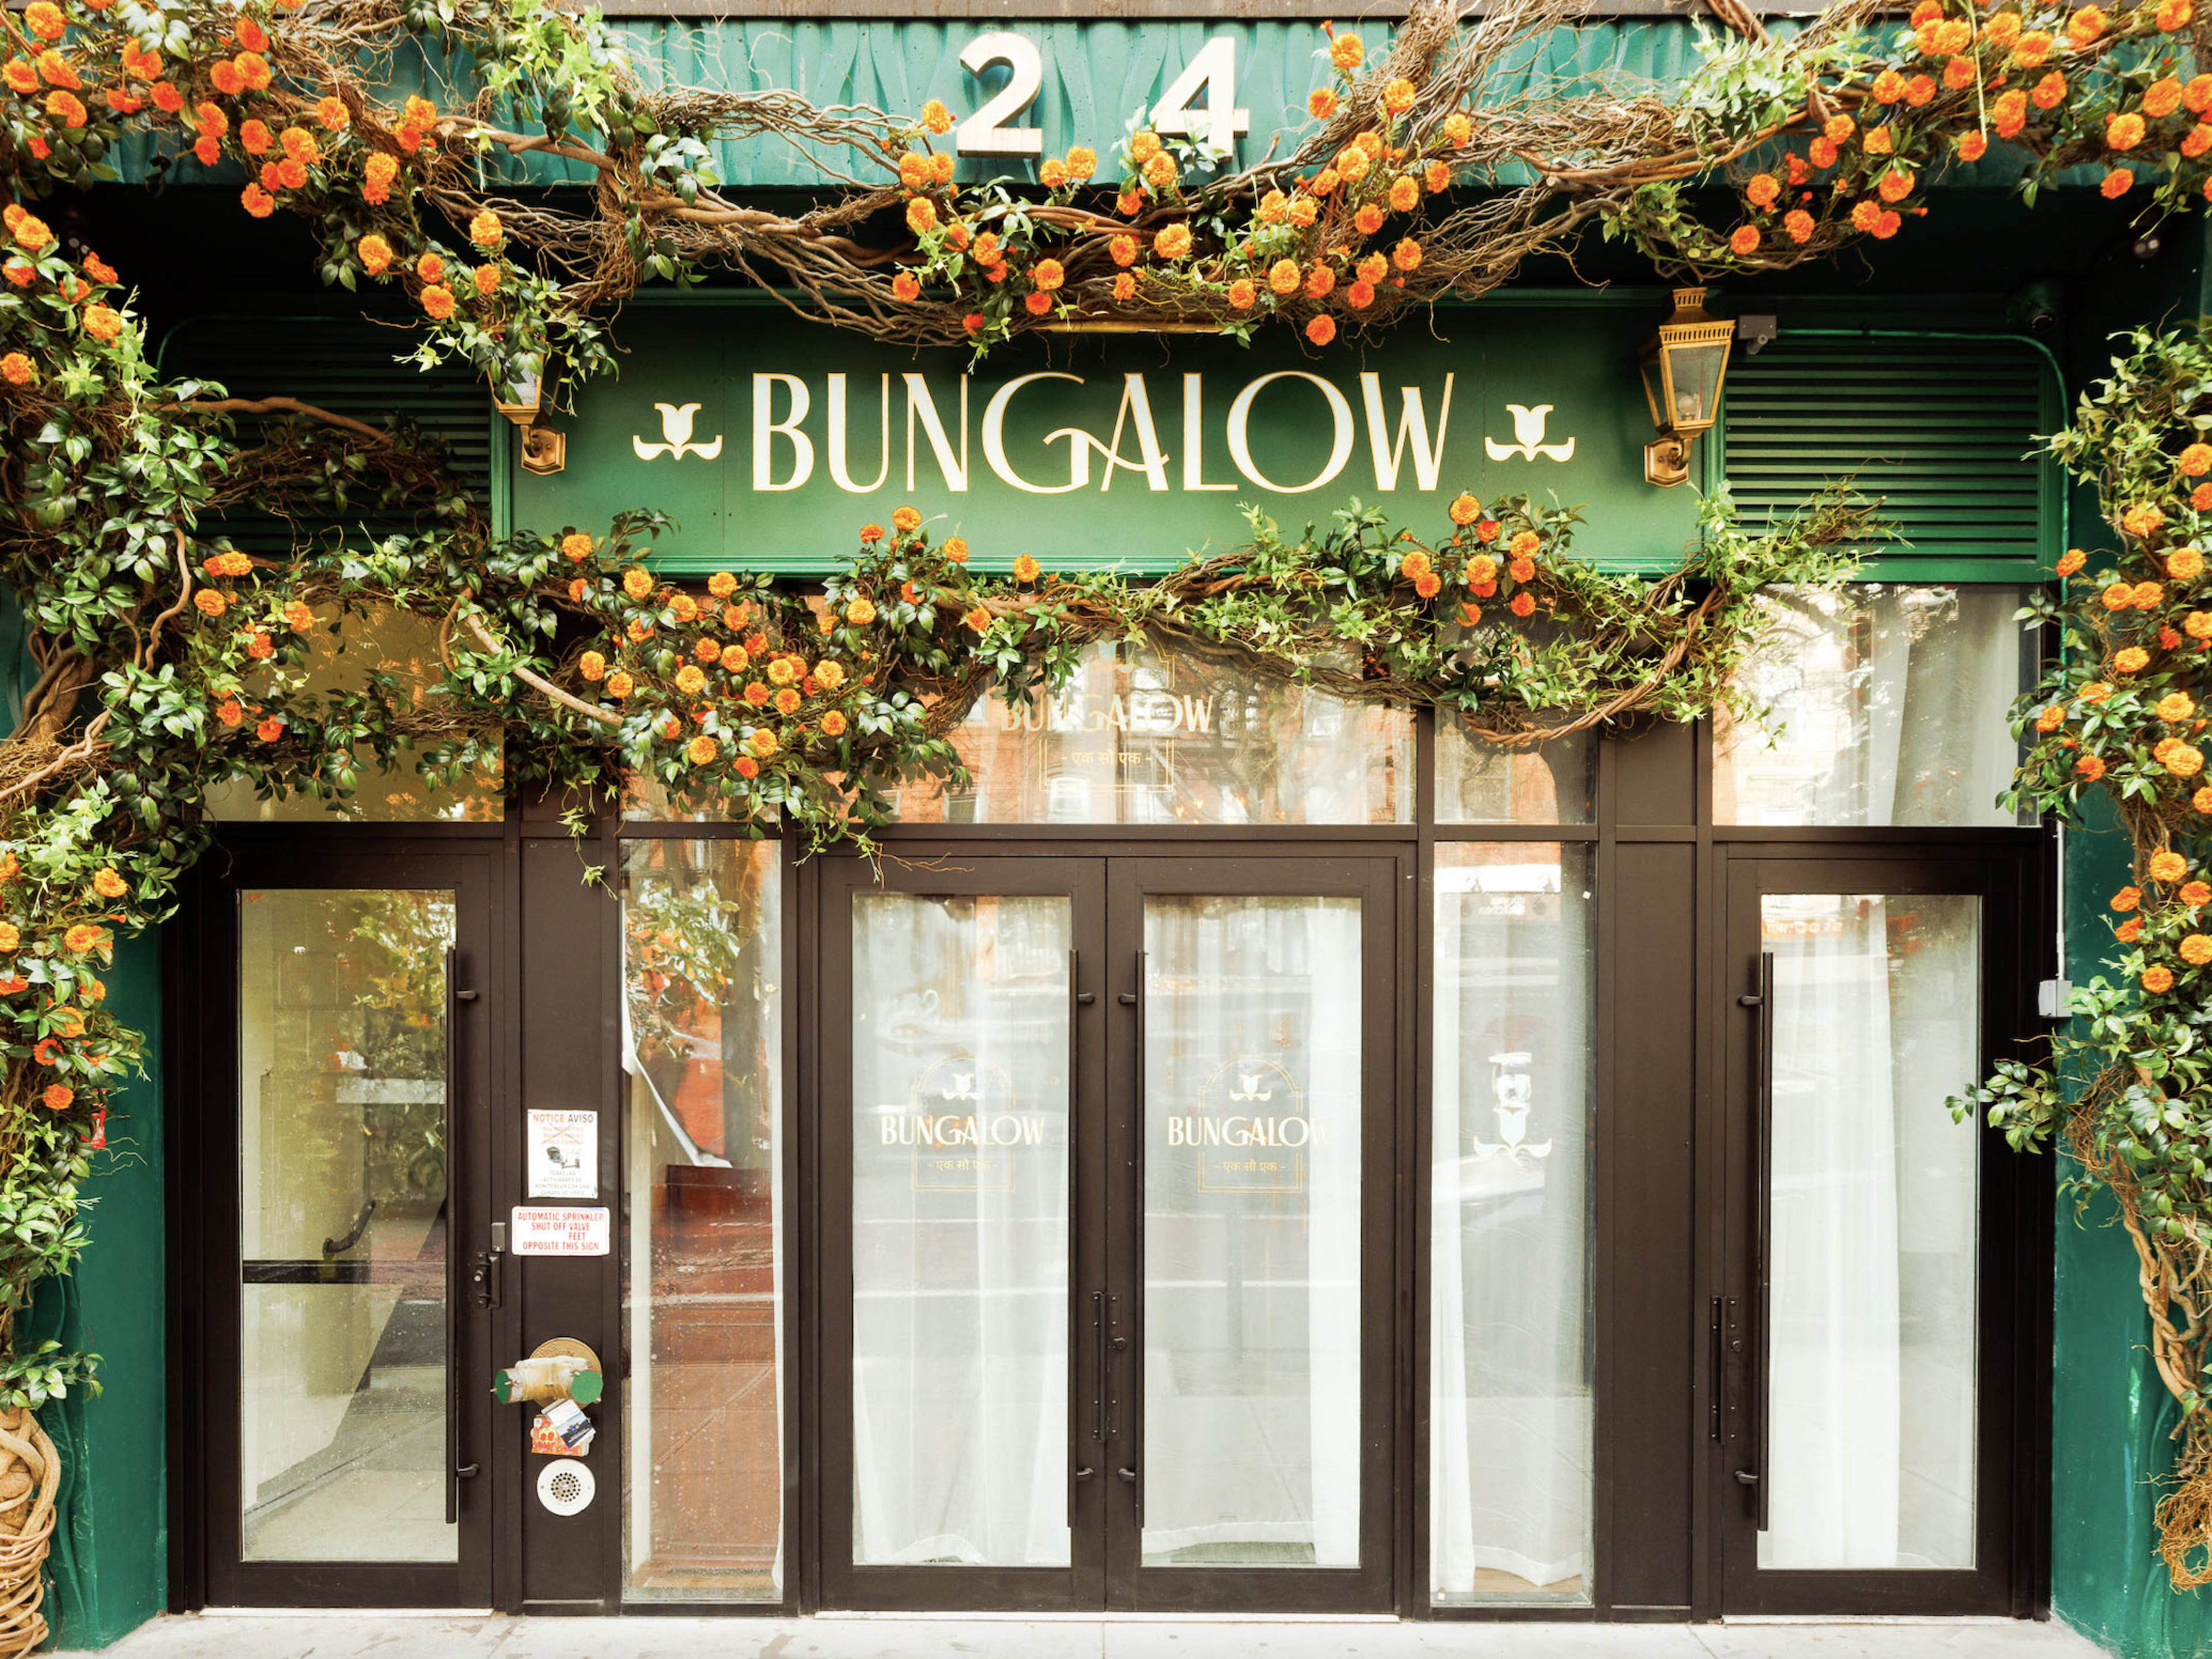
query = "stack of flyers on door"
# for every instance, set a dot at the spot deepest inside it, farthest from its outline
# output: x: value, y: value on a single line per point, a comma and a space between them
x: 561, y: 1430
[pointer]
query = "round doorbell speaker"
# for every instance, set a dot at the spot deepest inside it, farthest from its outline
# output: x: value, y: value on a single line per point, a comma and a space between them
x: 564, y: 1486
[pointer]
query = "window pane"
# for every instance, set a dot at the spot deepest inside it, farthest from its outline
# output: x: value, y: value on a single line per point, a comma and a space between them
x: 1884, y: 705
x: 1135, y: 738
x: 1480, y: 782
x: 1877, y: 1019
x: 960, y: 1229
x: 1251, y: 1231
x: 1509, y: 1446
x: 704, y: 1278
x: 402, y: 647
x: 342, y: 1224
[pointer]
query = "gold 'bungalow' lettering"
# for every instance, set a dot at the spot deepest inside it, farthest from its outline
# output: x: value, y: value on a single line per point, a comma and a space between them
x: 765, y: 427
x: 1413, y: 424
x: 1079, y: 442
x: 1246, y: 1132
x: 1394, y: 438
x: 838, y: 469
x: 1240, y: 425
x: 997, y: 1129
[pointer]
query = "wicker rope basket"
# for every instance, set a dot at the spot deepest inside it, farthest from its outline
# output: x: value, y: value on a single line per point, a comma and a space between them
x: 30, y: 1470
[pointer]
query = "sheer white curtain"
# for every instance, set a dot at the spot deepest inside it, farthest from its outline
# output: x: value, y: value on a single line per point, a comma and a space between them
x: 1885, y: 705
x: 1872, y: 1386
x: 1509, y: 1421
x: 960, y: 1253
x: 1252, y: 1253
x: 1833, y: 1393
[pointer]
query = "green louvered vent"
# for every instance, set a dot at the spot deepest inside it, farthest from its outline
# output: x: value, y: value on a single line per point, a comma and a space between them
x: 344, y: 364
x: 1941, y: 431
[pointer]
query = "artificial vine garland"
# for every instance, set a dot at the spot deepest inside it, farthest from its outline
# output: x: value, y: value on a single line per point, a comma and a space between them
x: 166, y: 658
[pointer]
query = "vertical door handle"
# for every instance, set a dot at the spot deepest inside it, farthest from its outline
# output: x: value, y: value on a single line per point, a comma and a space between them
x: 453, y: 1473
x: 1754, y: 1479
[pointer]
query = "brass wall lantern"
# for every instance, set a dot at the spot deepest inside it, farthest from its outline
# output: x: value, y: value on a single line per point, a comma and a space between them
x: 1683, y: 364
x: 544, y: 450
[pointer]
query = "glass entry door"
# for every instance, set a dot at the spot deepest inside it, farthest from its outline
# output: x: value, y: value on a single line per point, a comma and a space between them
x: 1107, y: 1145
x: 1867, y: 1413
x: 353, y: 1063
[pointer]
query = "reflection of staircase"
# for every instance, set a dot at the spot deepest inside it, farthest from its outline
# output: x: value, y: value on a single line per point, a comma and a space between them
x: 717, y: 1501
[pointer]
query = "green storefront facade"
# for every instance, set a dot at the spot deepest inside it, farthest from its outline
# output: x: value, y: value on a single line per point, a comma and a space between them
x: 1544, y: 1418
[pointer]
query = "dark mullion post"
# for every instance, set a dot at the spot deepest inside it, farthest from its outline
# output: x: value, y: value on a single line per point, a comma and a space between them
x: 1415, y: 1163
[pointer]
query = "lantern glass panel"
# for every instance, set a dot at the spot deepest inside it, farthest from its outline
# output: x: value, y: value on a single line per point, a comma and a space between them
x: 1655, y: 384
x: 1697, y: 384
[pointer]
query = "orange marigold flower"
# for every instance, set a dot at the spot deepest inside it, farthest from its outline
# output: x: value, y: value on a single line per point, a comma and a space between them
x: 1405, y: 193
x: 2185, y: 762
x: 16, y: 368
x: 2158, y: 980
x: 2049, y: 91
x: 2124, y: 131
x: 2071, y: 560
x: 1406, y: 256
x: 81, y: 938
x: 1321, y: 104
x: 2146, y: 596
x: 2184, y: 564
x: 375, y: 254
x: 620, y: 685
x: 1744, y: 241
x: 1346, y: 51
x: 702, y: 749
x: 920, y: 216
x: 2167, y: 866
x: 438, y: 301
x: 485, y: 229
x: 2173, y: 14
x: 332, y: 113
x: 2090, y: 767
x: 1762, y: 190
x: 2142, y: 520
x: 1037, y: 304
x: 936, y: 117
x: 860, y: 611
x: 229, y: 711
x: 44, y: 19
x: 211, y: 602
x: 2132, y: 659
x: 57, y: 1096
x: 1321, y: 330
x: 906, y: 520
x: 1523, y: 603
x: 253, y: 69
x: 66, y: 108
x: 955, y: 549
x: 1122, y: 250
x: 592, y: 665
x: 377, y: 174
x: 2195, y: 949
x: 2085, y: 25
x: 1173, y: 242
x: 1048, y: 275
x: 486, y: 277
x: 1798, y: 225
x: 2176, y: 706
x: 764, y: 743
x: 2052, y: 717
x: 103, y: 324
x: 1026, y: 569
x: 906, y: 287
x: 1320, y: 279
x: 1398, y: 95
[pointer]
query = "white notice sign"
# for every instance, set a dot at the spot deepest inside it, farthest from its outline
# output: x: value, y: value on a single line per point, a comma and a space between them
x: 563, y: 1158
x: 561, y: 1230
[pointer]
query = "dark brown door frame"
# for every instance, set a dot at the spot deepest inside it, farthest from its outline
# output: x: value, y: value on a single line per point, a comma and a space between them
x: 2012, y: 1271
x: 201, y: 955
x: 1106, y: 1572
x: 1132, y: 1586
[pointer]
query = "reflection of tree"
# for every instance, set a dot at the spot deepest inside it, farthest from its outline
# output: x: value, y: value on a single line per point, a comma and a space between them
x: 692, y: 963
x: 394, y: 960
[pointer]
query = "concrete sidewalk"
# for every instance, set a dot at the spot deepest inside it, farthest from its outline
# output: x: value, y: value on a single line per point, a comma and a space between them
x: 390, y: 1636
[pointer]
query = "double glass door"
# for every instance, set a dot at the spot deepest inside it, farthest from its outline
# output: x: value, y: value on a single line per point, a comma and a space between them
x: 1106, y: 1148
x: 1868, y: 1387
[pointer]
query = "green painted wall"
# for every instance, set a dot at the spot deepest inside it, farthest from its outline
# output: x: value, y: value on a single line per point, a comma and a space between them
x: 110, y: 1561
x: 2112, y: 1417
x: 109, y: 1565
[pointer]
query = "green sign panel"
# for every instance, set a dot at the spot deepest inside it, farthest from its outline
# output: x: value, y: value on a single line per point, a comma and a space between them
x: 771, y: 440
